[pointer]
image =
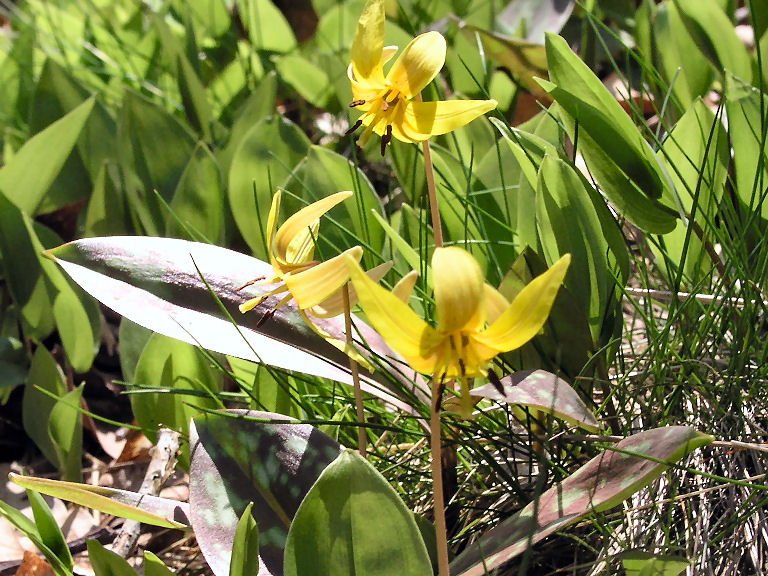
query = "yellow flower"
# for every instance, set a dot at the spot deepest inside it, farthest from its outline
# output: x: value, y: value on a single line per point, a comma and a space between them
x: 387, y: 101
x: 474, y: 321
x: 313, y: 285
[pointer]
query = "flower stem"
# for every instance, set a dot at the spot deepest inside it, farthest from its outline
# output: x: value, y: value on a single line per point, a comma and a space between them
x: 361, y: 435
x: 435, y: 444
x: 434, y: 210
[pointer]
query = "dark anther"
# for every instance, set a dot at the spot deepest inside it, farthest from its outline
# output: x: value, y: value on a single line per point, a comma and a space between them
x: 386, y: 138
x: 356, y: 103
x: 250, y: 283
x: 355, y: 126
x: 267, y: 315
x: 493, y: 378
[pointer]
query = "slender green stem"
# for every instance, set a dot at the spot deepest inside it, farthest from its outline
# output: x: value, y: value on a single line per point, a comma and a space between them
x: 435, y: 445
x: 361, y: 435
x: 434, y: 210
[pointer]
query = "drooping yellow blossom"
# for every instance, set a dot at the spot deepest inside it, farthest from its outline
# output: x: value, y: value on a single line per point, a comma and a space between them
x: 312, y: 284
x: 474, y: 321
x: 390, y: 102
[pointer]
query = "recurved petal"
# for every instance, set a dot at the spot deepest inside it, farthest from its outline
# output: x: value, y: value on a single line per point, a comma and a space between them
x: 368, y: 41
x: 396, y: 323
x: 405, y: 285
x: 298, y: 226
x: 421, y: 120
x: 495, y: 304
x: 459, y: 290
x: 528, y: 311
x: 312, y: 286
x: 418, y: 64
x: 274, y: 210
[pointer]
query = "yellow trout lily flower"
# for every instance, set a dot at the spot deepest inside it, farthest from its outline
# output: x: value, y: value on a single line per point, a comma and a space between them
x: 312, y: 284
x: 390, y: 103
x: 474, y: 321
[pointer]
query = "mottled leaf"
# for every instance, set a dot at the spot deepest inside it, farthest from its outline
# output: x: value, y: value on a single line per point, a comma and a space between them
x: 600, y: 484
x: 541, y: 392
x: 154, y: 282
x: 236, y: 460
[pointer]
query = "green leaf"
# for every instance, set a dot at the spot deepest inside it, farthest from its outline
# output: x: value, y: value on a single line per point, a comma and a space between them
x: 131, y: 276
x: 107, y: 563
x: 27, y: 176
x: 638, y: 563
x: 153, y: 566
x: 353, y: 522
x: 245, y: 547
x: 46, y: 374
x: 28, y: 528
x: 266, y: 26
x: 265, y: 158
x: 155, y: 150
x: 172, y: 367
x: 122, y: 503
x: 602, y: 483
x: 620, y: 160
x: 306, y: 77
x: 107, y: 212
x: 237, y: 460
x: 49, y: 530
x: 541, y: 393
x: 198, y: 202
x: 66, y: 430
x: 713, y: 32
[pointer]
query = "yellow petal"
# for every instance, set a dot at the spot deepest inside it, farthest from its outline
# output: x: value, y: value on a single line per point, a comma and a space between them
x: 345, y: 347
x: 421, y: 120
x: 396, y: 323
x: 405, y: 285
x: 313, y: 285
x: 274, y: 209
x: 459, y: 290
x: 294, y: 238
x: 368, y: 42
x: 418, y: 64
x: 495, y: 303
x: 334, y: 304
x: 528, y: 311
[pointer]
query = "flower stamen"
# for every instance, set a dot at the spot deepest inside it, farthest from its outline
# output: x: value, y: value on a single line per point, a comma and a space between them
x: 356, y: 103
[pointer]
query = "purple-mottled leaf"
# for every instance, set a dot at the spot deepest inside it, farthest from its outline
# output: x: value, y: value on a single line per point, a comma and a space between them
x: 532, y: 18
x: 541, y: 391
x: 235, y: 460
x: 600, y: 484
x: 140, y: 507
x: 156, y: 282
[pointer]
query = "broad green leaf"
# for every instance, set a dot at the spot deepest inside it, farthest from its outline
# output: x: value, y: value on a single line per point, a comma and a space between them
x: 131, y: 505
x: 638, y: 563
x: 322, y: 173
x: 266, y: 26
x: 130, y: 275
x: 154, y: 150
x: 153, y: 566
x: 133, y: 338
x: 529, y: 149
x: 245, y: 547
x: 713, y: 32
x: 620, y: 160
x: 107, y: 563
x: 267, y: 391
x: 306, y: 77
x: 353, y: 522
x: 57, y: 93
x: 28, y: 528
x: 696, y: 154
x: 107, y: 212
x: 198, y: 202
x: 65, y: 428
x: 26, y: 178
x: 602, y: 483
x: 264, y: 159
x: 541, y: 393
x: 194, y: 97
x: 260, y: 103
x: 175, y: 369
x: 49, y: 530
x: 240, y: 457
x: 13, y: 360
x: 747, y: 125
x: 46, y: 374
